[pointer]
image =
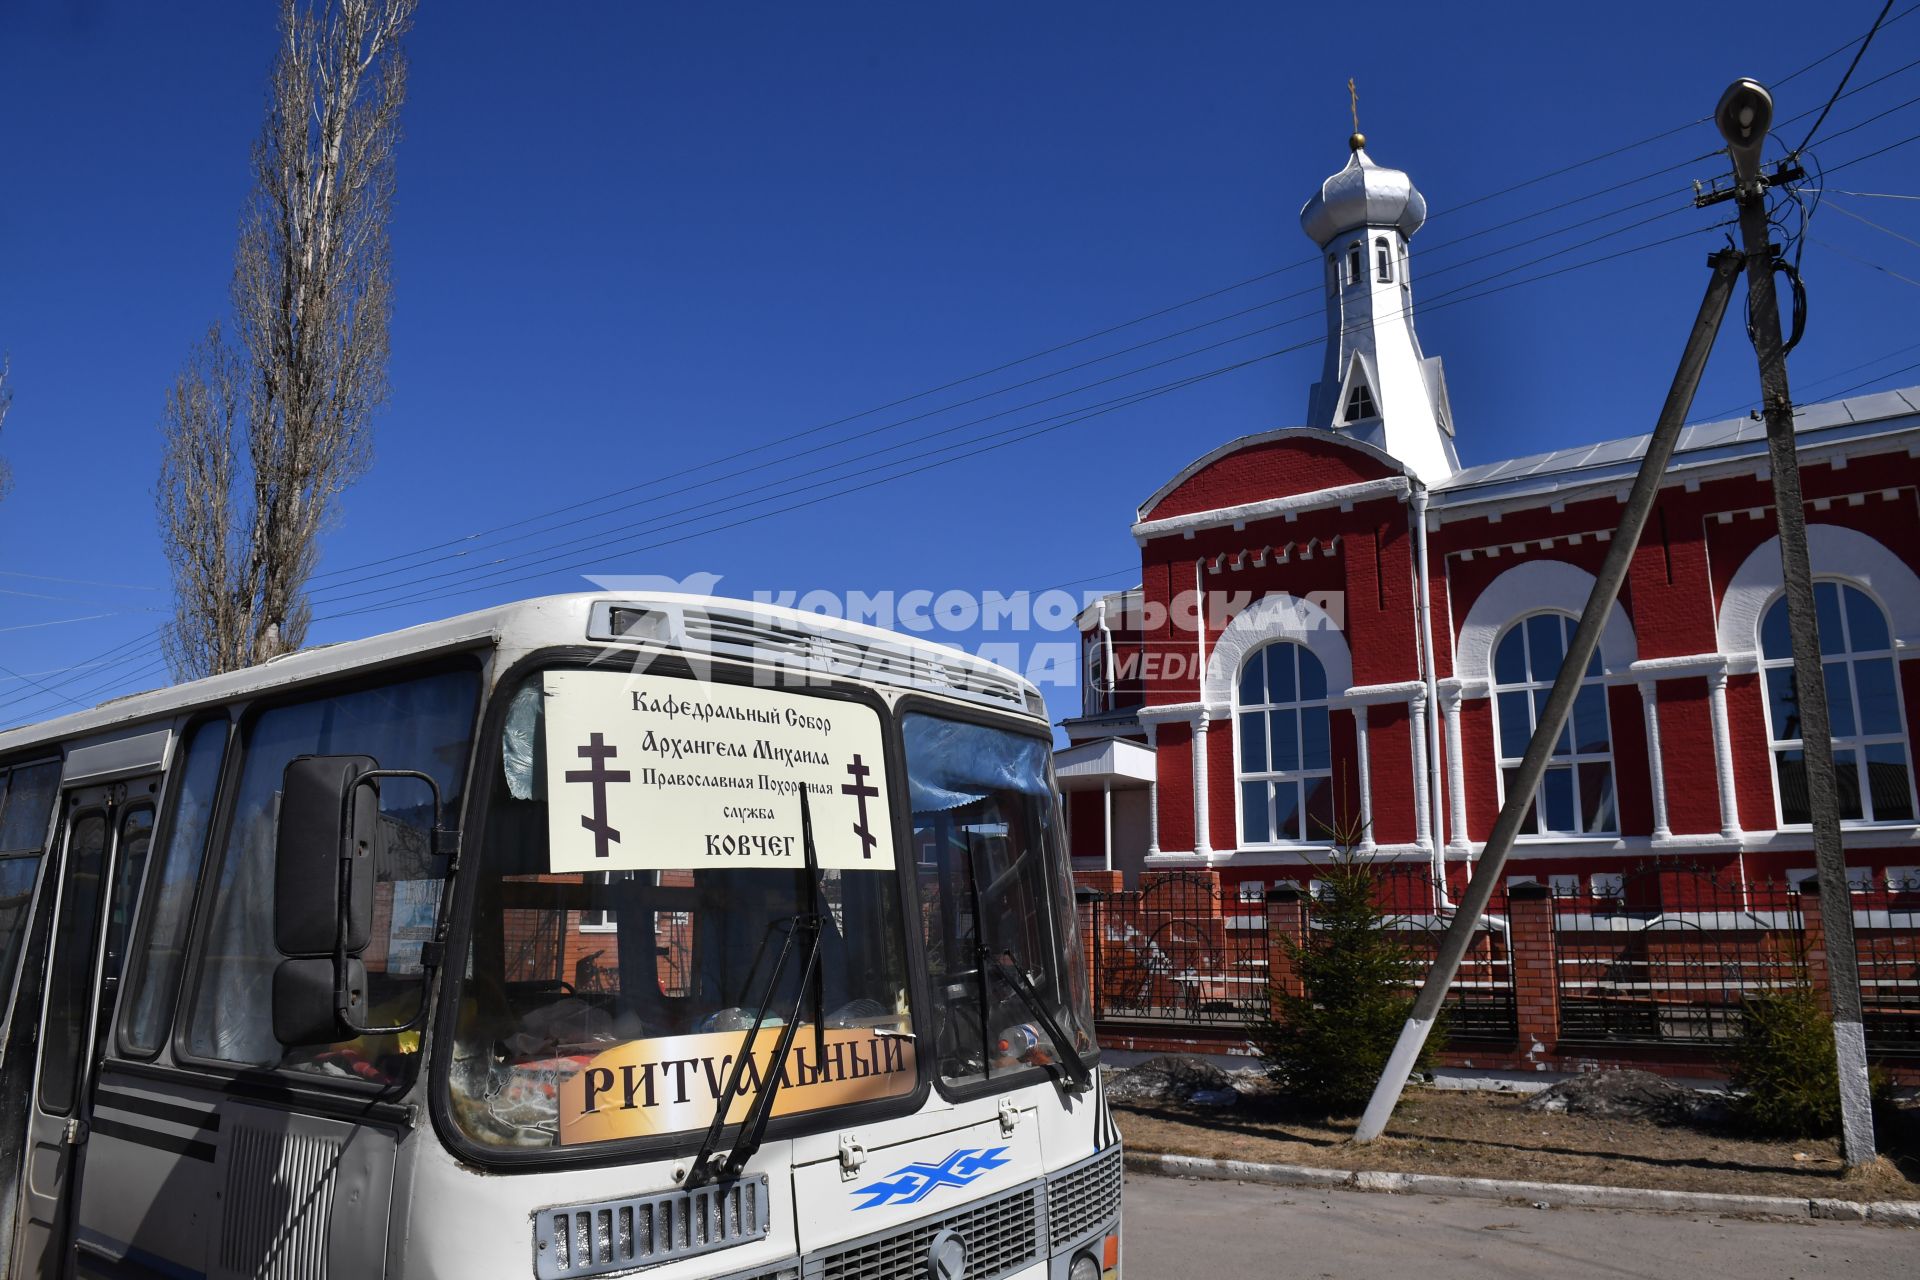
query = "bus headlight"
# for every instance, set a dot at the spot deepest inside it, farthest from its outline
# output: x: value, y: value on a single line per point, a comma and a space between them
x: 1085, y: 1267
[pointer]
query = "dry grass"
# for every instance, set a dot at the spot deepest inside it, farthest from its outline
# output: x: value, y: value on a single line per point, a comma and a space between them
x: 1492, y: 1135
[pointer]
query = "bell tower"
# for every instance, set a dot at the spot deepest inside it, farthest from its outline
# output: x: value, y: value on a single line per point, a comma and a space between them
x: 1376, y: 385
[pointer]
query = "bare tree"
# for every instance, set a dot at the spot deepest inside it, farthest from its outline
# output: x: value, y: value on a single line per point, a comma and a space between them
x: 312, y: 295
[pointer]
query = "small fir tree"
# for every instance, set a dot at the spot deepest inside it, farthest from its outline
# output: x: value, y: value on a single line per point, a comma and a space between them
x: 1785, y: 1078
x: 1328, y: 1045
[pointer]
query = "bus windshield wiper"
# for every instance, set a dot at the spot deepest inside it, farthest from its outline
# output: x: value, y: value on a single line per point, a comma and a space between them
x: 707, y: 1164
x: 1075, y: 1066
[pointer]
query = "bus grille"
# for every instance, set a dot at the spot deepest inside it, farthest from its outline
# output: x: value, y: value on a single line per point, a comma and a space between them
x: 615, y: 1235
x: 1001, y: 1235
x: 1083, y: 1198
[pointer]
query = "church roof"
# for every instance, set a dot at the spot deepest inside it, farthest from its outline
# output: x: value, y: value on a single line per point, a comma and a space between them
x: 1363, y: 194
x: 1613, y: 461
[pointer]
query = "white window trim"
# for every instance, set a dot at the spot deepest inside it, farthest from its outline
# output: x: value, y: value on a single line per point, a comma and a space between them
x: 1502, y: 762
x: 1860, y: 740
x: 1240, y: 775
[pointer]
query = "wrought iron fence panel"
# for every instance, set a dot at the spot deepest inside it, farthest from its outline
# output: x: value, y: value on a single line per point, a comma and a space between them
x: 1671, y: 954
x: 1480, y: 1003
x: 1179, y: 950
x: 1886, y: 930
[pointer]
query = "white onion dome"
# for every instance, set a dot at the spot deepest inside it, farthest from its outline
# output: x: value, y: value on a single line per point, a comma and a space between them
x: 1363, y: 195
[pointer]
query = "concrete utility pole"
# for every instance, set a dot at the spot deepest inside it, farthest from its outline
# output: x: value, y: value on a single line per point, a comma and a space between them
x: 1744, y: 114
x: 1553, y: 717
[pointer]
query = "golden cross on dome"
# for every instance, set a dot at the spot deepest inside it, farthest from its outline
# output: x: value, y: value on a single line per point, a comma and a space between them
x: 1359, y: 139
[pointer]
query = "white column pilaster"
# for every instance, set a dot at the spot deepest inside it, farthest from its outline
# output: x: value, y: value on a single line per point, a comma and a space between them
x: 1106, y: 795
x: 1456, y: 772
x: 1422, y: 796
x: 1723, y: 755
x: 1202, y: 836
x: 1366, y: 776
x: 1153, y: 790
x: 1656, y: 766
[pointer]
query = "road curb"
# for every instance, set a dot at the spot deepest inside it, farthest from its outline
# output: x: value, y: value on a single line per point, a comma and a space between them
x: 1581, y: 1195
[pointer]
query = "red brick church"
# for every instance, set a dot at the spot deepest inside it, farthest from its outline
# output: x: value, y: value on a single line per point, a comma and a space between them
x: 1336, y: 622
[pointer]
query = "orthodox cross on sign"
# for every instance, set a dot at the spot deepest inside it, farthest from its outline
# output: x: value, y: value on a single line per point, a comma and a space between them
x: 598, y: 751
x: 860, y: 790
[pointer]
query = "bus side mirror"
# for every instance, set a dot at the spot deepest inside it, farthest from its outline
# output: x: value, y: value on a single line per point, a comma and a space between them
x: 323, y: 856
x: 307, y: 1000
x: 323, y: 897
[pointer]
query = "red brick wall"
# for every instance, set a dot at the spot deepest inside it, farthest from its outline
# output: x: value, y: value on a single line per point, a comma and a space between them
x: 1297, y: 464
x: 1686, y: 754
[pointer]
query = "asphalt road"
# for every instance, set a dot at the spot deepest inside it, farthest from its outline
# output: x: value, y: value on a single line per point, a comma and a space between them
x: 1176, y: 1229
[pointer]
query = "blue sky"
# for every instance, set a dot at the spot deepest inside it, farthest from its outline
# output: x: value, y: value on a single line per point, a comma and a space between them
x: 631, y: 239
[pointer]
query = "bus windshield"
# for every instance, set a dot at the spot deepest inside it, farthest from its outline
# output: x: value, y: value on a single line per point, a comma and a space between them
x: 642, y: 875
x: 1003, y: 949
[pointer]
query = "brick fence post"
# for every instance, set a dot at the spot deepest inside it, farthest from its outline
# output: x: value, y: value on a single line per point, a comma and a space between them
x: 1536, y: 980
x: 1813, y: 931
x: 1286, y: 922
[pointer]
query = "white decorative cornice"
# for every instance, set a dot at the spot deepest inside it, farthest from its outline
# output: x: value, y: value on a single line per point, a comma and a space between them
x: 1268, y: 508
x: 1161, y: 713
x: 1401, y: 691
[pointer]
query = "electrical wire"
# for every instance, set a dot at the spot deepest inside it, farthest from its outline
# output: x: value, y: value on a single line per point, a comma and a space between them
x: 150, y: 638
x: 489, y: 583
x: 620, y: 537
x: 1858, y: 54
x: 465, y: 544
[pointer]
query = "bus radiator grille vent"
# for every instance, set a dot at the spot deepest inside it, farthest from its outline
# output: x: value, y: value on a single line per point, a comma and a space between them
x: 618, y: 1235
x: 756, y: 639
x: 1084, y: 1198
x: 1002, y: 1236
x: 277, y: 1204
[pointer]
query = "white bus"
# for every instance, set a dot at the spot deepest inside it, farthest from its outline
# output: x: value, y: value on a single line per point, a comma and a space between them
x: 436, y: 955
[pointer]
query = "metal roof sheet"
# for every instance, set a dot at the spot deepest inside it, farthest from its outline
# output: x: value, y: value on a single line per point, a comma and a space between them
x: 1511, y: 475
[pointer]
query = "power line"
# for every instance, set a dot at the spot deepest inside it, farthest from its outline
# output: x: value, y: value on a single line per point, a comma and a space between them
x: 1894, y: 373
x: 620, y: 538
x: 148, y: 637
x: 1848, y: 75
x: 466, y: 542
x: 1837, y: 208
x: 614, y: 538
x: 330, y: 594
x: 1866, y: 262
x: 1125, y: 402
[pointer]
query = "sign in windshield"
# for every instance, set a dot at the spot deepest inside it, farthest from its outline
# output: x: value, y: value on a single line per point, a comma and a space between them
x: 652, y: 774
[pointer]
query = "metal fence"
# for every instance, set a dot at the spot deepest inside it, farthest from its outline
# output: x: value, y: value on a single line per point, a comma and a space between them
x: 1183, y: 951
x: 1480, y: 1003
x: 1670, y: 954
x: 1886, y: 924
x: 1178, y: 951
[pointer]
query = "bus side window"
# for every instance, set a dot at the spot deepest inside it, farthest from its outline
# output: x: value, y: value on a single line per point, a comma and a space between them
x: 168, y: 905
x: 26, y: 809
x: 425, y: 723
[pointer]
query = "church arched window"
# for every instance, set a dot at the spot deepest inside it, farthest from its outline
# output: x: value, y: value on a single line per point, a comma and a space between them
x: 1356, y: 265
x: 1333, y: 272
x: 1383, y: 260
x: 1870, y: 760
x: 1576, y: 797
x: 1284, y: 749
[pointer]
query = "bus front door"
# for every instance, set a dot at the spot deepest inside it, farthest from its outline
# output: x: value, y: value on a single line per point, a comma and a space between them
x: 104, y: 834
